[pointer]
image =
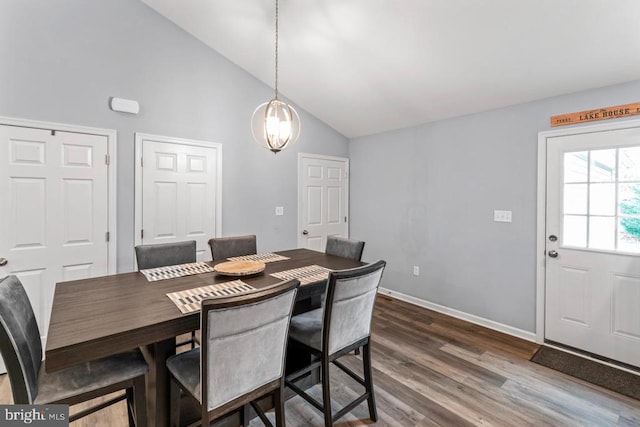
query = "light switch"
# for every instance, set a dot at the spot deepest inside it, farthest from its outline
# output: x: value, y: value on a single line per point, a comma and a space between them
x: 279, y: 210
x: 502, y: 216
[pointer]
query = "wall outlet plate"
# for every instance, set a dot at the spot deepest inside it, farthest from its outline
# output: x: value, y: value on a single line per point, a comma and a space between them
x: 279, y: 210
x: 502, y: 216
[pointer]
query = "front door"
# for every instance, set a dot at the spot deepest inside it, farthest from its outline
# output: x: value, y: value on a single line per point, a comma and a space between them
x: 54, y: 214
x: 323, y: 195
x: 593, y: 243
x: 178, y: 191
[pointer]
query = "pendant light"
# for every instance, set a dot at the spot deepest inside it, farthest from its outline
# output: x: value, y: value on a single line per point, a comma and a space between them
x: 275, y: 124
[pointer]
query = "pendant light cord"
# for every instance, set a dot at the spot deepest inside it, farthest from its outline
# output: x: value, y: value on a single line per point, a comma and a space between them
x: 276, y: 49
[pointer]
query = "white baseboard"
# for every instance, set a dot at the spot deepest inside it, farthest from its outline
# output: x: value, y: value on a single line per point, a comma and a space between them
x: 496, y: 326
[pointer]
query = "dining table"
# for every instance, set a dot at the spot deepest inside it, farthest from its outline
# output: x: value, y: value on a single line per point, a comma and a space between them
x: 101, y: 316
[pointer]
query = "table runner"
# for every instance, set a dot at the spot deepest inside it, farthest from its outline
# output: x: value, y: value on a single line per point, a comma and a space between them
x: 309, y: 274
x: 264, y: 257
x: 173, y: 271
x: 189, y: 300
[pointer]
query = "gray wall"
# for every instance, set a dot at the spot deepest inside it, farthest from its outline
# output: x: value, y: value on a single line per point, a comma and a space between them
x: 61, y: 60
x: 425, y: 196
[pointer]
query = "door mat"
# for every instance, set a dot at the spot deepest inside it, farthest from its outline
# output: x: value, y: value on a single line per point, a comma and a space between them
x: 617, y: 380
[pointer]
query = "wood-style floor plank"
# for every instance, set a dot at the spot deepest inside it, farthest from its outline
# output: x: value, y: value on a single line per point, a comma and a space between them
x: 434, y: 370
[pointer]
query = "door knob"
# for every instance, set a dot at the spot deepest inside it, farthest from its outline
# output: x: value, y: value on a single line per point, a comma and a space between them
x: 3, y: 262
x: 553, y: 254
x: 305, y: 232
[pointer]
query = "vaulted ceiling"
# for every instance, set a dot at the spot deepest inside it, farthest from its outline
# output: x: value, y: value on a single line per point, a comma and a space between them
x: 368, y: 66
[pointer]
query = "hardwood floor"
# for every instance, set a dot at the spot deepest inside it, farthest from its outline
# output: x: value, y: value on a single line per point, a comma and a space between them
x: 431, y: 369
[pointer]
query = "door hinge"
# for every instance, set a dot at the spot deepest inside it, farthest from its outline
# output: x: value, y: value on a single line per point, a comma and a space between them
x: 345, y: 219
x: 107, y: 236
x: 142, y: 234
x: 107, y: 159
x: 141, y: 162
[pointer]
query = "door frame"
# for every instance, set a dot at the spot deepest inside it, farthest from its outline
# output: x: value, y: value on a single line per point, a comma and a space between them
x: 139, y: 139
x: 542, y: 206
x: 321, y: 157
x: 112, y: 172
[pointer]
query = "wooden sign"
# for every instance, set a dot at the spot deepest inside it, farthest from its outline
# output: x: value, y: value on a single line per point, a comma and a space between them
x: 594, y: 115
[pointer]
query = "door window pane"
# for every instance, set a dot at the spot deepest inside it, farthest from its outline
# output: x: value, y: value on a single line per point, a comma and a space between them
x: 629, y: 164
x: 602, y: 231
x: 629, y: 199
x: 603, y: 165
x: 629, y: 235
x: 575, y: 199
x: 576, y: 166
x: 575, y: 231
x: 602, y: 199
x: 629, y: 211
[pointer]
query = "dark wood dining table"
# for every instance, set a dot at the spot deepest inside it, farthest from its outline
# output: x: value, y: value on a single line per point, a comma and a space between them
x: 101, y: 316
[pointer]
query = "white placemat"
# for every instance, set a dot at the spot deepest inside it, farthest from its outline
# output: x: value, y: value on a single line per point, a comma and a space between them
x: 264, y: 257
x: 189, y: 300
x: 173, y: 271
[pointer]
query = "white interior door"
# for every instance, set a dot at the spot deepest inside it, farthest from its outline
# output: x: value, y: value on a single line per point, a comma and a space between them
x: 323, y: 200
x: 179, y: 191
x: 593, y: 243
x: 54, y: 216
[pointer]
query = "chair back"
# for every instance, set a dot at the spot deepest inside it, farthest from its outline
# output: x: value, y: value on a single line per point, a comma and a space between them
x: 348, y: 308
x: 20, y: 344
x: 346, y: 248
x: 160, y: 255
x: 244, y: 340
x: 227, y: 247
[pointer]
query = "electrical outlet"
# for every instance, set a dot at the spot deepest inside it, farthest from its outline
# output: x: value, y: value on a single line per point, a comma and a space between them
x: 502, y: 216
x: 279, y: 210
x: 416, y: 270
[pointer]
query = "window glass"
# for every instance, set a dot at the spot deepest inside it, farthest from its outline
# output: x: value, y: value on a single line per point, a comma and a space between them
x: 575, y: 230
x: 576, y: 166
x: 629, y: 164
x: 575, y: 199
x: 602, y: 231
x: 602, y: 165
x: 601, y: 199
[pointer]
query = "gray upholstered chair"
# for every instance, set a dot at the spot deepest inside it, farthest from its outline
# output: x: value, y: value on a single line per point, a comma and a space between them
x: 160, y: 255
x: 22, y: 353
x: 163, y: 254
x: 341, y: 325
x: 345, y: 248
x: 227, y: 247
x: 242, y: 357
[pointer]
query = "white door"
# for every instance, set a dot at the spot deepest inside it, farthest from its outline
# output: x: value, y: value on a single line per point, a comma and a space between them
x: 593, y: 243
x: 323, y: 200
x: 179, y: 191
x: 54, y: 215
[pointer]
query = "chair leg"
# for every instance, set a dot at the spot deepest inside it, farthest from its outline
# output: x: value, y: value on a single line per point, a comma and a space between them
x: 278, y: 402
x: 130, y: 406
x: 174, y: 409
x: 245, y: 415
x: 326, y: 392
x: 368, y: 380
x: 140, y: 401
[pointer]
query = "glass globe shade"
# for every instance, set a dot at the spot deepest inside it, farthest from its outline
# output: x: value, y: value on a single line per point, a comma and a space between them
x: 275, y: 125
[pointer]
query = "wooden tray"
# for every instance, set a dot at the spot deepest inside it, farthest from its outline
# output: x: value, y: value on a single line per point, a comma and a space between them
x: 239, y: 268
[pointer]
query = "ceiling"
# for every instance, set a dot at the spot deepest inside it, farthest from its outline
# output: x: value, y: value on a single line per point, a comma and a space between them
x: 368, y: 66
